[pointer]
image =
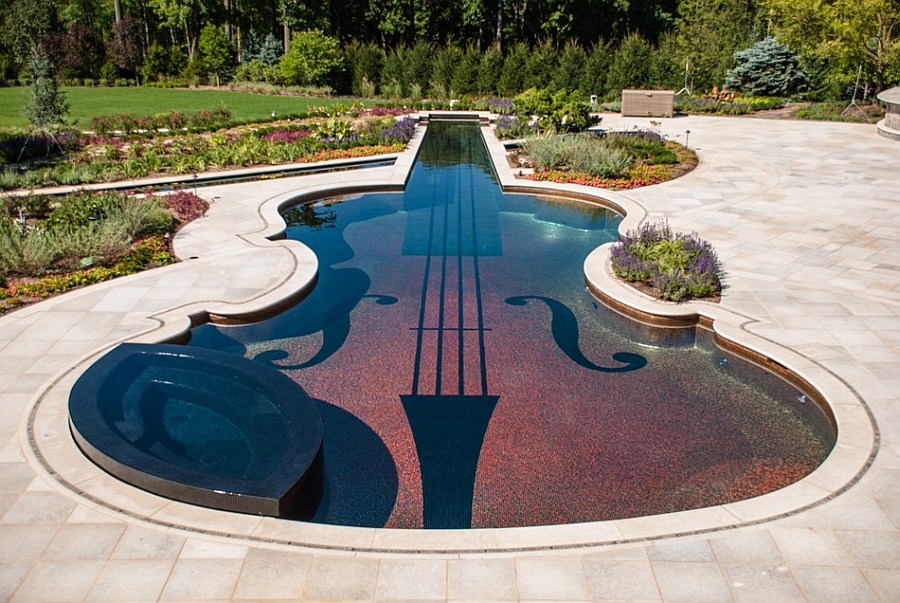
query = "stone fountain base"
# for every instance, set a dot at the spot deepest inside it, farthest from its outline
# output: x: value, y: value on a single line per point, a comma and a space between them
x: 889, y: 127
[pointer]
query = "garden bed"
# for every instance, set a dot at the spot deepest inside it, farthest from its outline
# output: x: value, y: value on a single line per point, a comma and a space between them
x: 128, y: 148
x: 638, y: 161
x: 51, y: 245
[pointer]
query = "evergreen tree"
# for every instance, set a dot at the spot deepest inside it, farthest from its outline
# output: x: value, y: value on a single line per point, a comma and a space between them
x: 418, y: 67
x: 633, y: 65
x: 465, y: 74
x: 251, y: 47
x: 46, y: 107
x: 596, y: 69
x: 270, y: 51
x: 443, y: 68
x: 541, y: 65
x: 489, y: 69
x: 512, y: 78
x: 392, y: 82
x: 568, y: 74
x: 364, y: 63
x: 768, y: 68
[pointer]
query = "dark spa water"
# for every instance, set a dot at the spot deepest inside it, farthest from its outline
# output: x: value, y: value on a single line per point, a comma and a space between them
x: 465, y: 377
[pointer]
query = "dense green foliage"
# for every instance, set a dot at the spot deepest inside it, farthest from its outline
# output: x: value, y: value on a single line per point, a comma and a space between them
x: 419, y: 50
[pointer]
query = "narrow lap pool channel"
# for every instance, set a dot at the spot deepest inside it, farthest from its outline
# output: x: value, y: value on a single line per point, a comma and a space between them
x: 465, y: 378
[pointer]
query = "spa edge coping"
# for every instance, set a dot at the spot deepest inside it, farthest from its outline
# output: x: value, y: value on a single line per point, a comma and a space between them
x: 55, y: 456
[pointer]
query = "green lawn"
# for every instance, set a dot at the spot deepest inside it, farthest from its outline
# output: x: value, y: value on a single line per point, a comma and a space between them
x: 90, y: 102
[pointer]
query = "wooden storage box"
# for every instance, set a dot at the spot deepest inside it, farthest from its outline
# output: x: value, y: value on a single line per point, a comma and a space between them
x: 648, y: 103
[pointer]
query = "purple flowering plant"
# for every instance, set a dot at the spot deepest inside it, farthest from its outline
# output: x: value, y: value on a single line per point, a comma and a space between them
x: 398, y: 132
x: 676, y: 266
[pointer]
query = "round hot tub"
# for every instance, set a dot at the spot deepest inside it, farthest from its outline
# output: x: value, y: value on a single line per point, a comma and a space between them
x: 202, y: 427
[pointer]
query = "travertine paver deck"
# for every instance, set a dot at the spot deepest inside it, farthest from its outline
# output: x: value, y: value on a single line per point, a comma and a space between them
x: 805, y: 219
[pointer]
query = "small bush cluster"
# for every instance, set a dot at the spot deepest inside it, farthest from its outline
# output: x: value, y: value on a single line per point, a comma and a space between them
x: 726, y: 104
x: 676, y: 266
x: 830, y: 111
x: 512, y: 126
x: 559, y: 111
x: 125, y: 124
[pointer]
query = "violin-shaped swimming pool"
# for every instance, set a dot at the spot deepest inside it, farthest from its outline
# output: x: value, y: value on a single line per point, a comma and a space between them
x: 465, y: 377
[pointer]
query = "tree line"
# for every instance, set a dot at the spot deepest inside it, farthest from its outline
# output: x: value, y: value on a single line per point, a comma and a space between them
x: 426, y: 47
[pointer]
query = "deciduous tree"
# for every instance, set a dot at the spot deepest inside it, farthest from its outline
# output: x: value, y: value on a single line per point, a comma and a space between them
x: 847, y: 33
x: 127, y: 45
x: 216, y: 52
x: 310, y: 59
x: 708, y: 34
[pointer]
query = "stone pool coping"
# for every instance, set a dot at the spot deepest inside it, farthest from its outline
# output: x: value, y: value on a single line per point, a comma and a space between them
x: 54, y: 451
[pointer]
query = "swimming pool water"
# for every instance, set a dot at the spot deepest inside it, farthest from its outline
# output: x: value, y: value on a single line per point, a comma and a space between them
x: 466, y: 378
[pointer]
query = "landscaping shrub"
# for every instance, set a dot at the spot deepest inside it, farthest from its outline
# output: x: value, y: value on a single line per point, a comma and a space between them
x: 646, y: 146
x: 558, y: 111
x: 186, y: 206
x: 124, y: 124
x: 144, y: 216
x: 676, y: 266
x: 834, y: 111
x: 511, y: 127
x: 25, y: 250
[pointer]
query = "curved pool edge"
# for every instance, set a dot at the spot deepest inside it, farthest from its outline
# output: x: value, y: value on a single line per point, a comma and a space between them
x: 857, y: 445
x: 857, y: 436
